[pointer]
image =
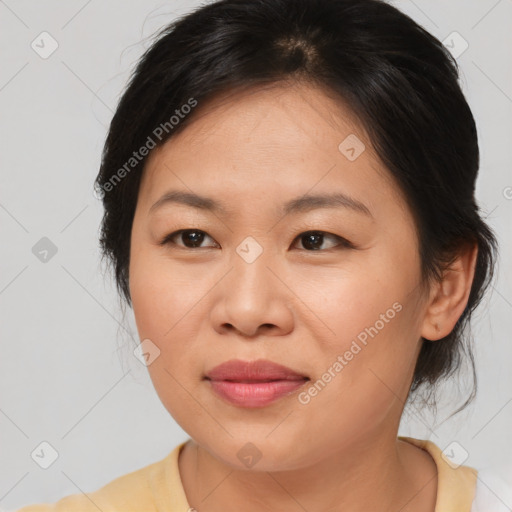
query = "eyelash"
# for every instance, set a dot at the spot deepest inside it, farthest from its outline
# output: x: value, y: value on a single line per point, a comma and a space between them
x: 343, y: 242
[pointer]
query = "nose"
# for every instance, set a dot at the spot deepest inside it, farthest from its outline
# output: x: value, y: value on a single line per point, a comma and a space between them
x: 253, y: 299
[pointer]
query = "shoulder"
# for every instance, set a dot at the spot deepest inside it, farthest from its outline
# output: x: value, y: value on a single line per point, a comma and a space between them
x: 493, y: 491
x: 133, y: 491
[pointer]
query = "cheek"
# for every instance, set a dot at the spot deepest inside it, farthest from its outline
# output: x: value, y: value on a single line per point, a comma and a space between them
x: 166, y: 311
x: 164, y: 294
x: 346, y: 304
x: 371, y: 342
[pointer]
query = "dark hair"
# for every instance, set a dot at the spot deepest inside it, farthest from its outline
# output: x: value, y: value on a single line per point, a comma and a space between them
x: 399, y: 81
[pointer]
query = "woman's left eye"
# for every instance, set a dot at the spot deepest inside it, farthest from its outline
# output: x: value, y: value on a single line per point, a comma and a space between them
x: 311, y: 240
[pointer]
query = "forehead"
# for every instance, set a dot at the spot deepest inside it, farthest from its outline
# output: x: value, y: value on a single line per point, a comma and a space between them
x: 280, y: 141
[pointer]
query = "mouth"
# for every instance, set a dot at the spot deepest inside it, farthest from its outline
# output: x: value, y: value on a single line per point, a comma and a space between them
x: 260, y: 370
x: 254, y: 383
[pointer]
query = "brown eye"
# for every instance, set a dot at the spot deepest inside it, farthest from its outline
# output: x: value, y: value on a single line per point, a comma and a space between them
x: 190, y: 238
x: 313, y: 240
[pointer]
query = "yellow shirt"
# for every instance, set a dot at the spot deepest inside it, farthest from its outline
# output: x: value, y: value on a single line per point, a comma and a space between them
x: 158, y: 488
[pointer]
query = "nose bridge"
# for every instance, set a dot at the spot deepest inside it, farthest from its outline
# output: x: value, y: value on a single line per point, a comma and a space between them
x: 250, y: 261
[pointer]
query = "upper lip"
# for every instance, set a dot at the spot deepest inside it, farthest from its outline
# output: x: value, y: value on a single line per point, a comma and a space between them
x: 259, y: 370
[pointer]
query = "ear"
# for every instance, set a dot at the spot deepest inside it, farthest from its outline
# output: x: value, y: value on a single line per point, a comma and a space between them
x: 449, y: 297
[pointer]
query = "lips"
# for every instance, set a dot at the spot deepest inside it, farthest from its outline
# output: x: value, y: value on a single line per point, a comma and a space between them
x: 253, y: 384
x: 260, y: 370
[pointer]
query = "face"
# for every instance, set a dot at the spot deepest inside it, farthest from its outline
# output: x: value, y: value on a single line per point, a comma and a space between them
x: 329, y: 290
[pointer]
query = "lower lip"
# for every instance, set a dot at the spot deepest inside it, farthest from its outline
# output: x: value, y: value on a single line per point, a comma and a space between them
x: 255, y: 394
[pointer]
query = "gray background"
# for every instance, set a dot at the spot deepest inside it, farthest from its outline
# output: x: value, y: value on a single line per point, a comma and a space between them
x: 65, y: 377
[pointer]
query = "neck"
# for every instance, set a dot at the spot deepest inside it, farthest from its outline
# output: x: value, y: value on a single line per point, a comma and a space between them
x: 381, y: 473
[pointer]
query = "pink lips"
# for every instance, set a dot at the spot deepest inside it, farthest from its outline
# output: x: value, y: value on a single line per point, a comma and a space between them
x: 253, y: 383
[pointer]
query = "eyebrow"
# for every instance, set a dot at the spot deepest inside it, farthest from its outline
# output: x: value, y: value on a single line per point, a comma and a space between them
x: 301, y: 204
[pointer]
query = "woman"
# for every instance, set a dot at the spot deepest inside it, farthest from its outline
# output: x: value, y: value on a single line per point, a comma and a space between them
x: 289, y: 209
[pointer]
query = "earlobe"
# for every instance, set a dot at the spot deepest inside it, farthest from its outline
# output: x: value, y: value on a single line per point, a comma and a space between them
x: 451, y: 295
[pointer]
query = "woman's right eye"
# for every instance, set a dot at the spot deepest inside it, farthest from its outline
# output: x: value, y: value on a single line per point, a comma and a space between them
x: 194, y: 237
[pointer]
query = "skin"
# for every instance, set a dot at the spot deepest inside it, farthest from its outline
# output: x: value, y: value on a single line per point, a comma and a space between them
x: 293, y: 305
